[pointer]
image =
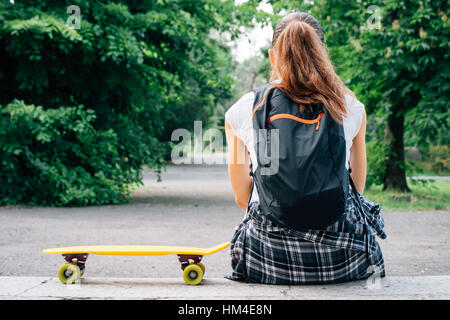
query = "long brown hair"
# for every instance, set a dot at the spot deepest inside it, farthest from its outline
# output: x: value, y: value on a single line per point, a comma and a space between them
x: 303, y: 65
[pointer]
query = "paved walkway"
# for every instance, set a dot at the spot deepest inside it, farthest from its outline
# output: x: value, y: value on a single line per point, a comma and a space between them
x: 427, y: 287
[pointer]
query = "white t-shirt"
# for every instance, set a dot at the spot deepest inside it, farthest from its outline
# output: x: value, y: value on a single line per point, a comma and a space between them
x: 239, y: 116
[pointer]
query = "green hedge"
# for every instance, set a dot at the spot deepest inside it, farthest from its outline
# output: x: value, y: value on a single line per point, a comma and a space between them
x: 376, y: 156
x: 55, y: 157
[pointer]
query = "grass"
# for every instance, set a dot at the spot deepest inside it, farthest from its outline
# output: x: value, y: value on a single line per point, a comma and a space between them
x: 431, y: 195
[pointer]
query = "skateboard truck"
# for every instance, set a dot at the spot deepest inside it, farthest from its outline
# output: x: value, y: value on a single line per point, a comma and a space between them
x: 185, y: 260
x: 78, y: 259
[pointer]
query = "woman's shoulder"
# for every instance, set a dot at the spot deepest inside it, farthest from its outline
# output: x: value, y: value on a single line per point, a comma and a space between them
x: 354, y: 108
x: 240, y: 108
x: 244, y: 101
x: 355, y: 111
x: 353, y: 104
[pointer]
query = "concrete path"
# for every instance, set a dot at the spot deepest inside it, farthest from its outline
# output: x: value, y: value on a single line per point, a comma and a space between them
x: 427, y: 287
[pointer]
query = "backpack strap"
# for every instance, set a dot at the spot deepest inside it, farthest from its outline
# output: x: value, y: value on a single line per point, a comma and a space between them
x: 261, y: 96
x: 253, y: 181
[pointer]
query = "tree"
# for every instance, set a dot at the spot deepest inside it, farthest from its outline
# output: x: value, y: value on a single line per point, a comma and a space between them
x: 395, y: 56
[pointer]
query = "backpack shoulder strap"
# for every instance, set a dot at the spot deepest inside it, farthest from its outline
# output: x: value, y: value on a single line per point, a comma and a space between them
x: 262, y: 95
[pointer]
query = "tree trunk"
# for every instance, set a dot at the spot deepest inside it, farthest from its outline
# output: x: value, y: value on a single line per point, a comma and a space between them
x: 395, y: 176
x: 251, y: 85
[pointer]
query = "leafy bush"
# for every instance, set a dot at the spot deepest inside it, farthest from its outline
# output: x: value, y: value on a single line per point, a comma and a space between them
x: 55, y: 157
x: 143, y: 67
x: 376, y: 156
x: 440, y: 159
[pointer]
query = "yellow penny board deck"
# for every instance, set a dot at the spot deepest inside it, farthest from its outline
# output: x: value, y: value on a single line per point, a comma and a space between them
x: 138, y: 250
x: 189, y: 257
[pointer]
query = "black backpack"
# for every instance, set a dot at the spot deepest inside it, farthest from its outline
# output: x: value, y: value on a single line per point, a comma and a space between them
x: 301, y: 177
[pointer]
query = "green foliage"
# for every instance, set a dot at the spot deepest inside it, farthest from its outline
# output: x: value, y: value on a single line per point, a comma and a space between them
x: 143, y: 67
x: 440, y: 159
x: 56, y: 157
x: 376, y: 156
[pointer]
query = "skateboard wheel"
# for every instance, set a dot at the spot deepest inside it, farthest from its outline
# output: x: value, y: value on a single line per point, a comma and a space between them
x: 68, y: 273
x: 199, y: 264
x: 202, y: 267
x: 193, y: 274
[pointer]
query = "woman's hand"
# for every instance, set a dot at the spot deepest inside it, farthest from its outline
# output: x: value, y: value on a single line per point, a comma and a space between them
x: 238, y: 168
x: 358, y: 160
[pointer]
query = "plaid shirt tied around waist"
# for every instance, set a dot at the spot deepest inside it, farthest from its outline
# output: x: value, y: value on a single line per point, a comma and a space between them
x: 263, y: 252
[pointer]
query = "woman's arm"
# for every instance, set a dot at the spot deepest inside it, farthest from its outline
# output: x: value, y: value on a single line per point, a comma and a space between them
x: 358, y: 160
x: 238, y: 168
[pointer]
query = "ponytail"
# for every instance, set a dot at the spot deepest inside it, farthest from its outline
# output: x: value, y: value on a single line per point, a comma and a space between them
x: 303, y: 65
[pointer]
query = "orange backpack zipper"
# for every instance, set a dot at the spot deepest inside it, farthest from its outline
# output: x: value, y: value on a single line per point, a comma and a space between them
x: 290, y: 116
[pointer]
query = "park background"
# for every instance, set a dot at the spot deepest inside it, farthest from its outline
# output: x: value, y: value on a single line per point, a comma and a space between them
x: 91, y: 92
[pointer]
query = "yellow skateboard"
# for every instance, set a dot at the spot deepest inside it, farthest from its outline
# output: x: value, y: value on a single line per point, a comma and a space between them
x: 189, y: 258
